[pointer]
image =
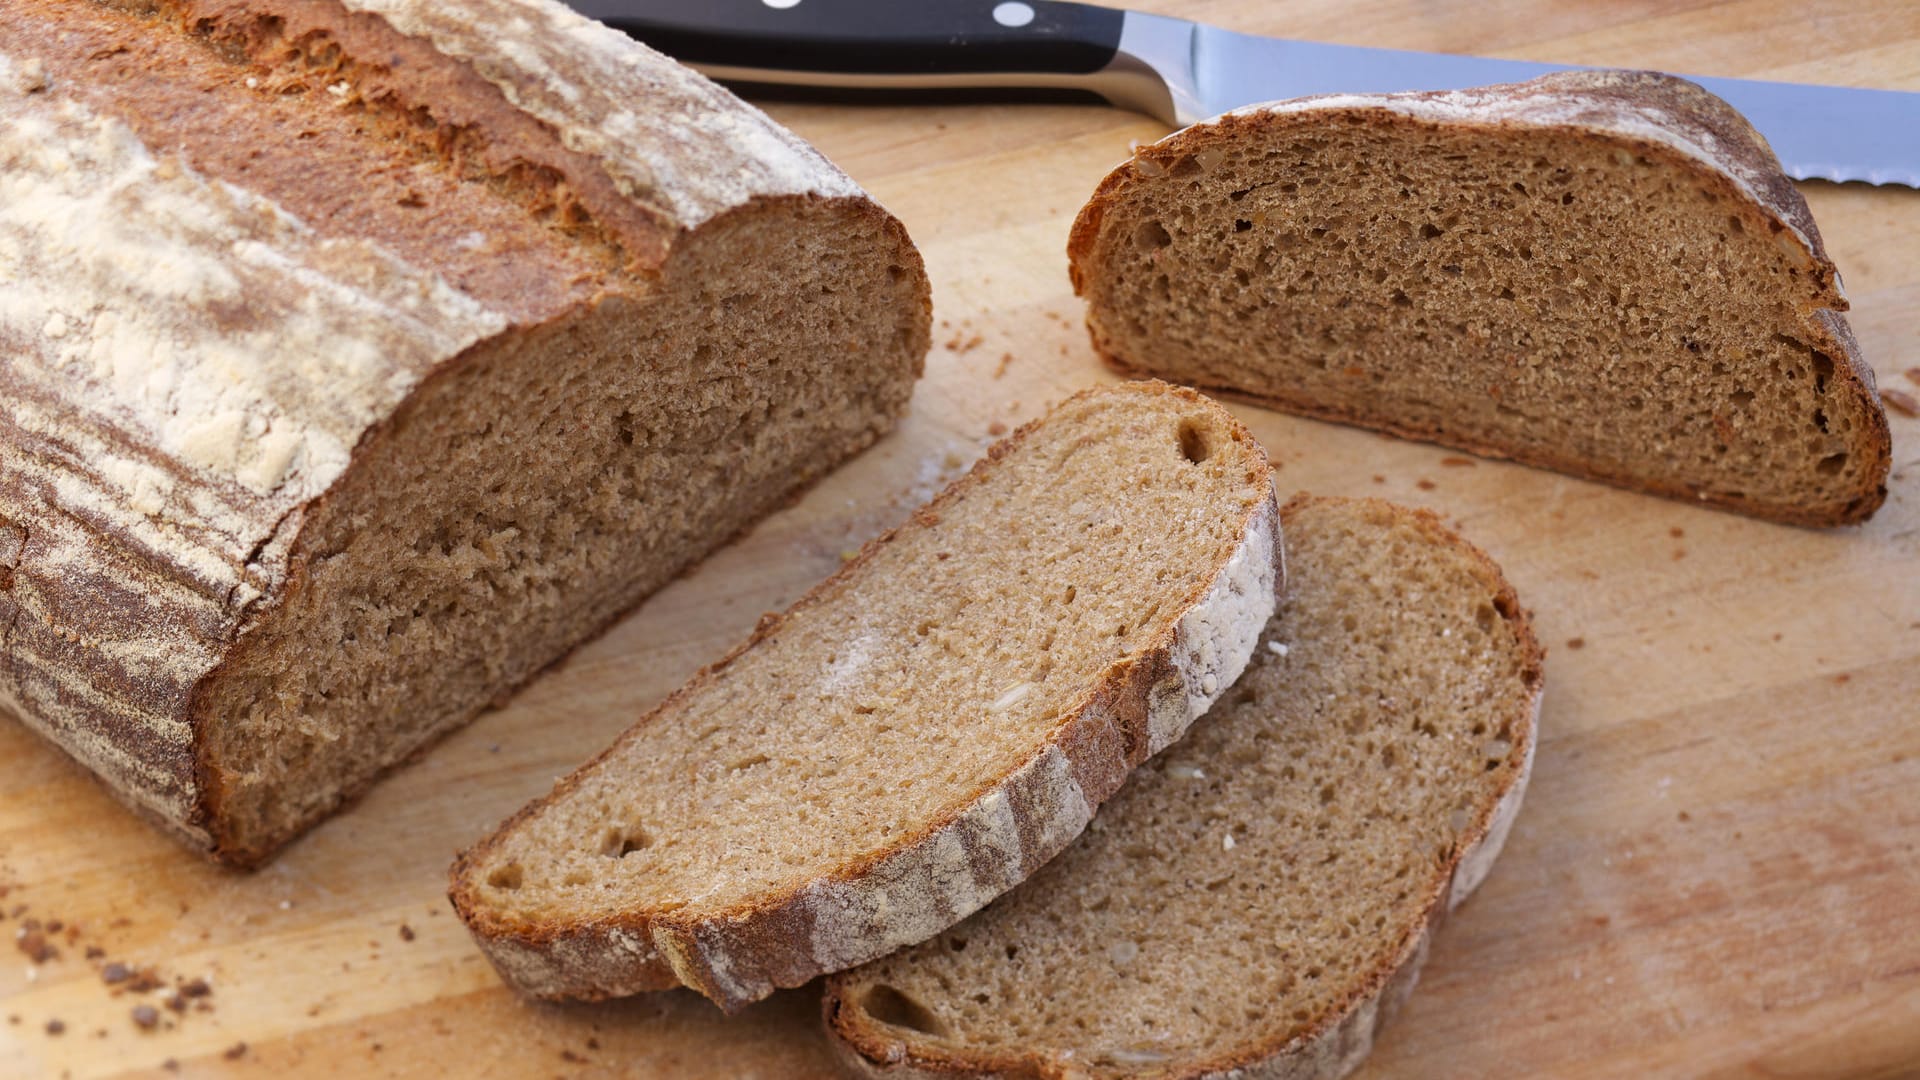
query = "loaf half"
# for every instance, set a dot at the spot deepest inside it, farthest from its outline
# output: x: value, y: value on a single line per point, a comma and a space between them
x: 917, y: 734
x: 1603, y: 273
x: 363, y: 356
x: 1260, y: 897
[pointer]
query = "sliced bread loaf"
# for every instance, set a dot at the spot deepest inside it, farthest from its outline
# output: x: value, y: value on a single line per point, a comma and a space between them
x: 1258, y: 898
x: 1603, y: 273
x: 914, y: 736
x: 363, y: 356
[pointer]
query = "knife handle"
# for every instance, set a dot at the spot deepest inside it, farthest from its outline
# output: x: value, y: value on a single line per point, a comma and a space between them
x: 872, y: 37
x: 1139, y: 62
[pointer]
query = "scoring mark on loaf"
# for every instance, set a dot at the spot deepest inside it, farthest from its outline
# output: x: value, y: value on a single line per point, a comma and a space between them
x: 705, y: 151
x: 913, y: 894
x: 159, y: 291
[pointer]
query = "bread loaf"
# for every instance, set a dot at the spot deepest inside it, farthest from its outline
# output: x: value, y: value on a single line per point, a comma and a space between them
x: 1603, y: 273
x: 363, y: 356
x: 1259, y: 898
x: 917, y: 734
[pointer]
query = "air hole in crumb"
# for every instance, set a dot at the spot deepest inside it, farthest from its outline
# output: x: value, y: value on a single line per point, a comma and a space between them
x: 1822, y: 371
x: 891, y: 1007
x: 1151, y: 234
x: 1193, y: 442
x: 1820, y: 420
x: 1831, y: 464
x: 1013, y: 951
x: 1242, y: 225
x: 1430, y: 230
x: 620, y: 843
x: 510, y: 876
x: 1742, y: 398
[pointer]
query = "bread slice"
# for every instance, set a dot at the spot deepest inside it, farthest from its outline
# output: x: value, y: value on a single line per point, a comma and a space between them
x: 1603, y: 273
x: 362, y: 358
x: 1259, y: 898
x: 917, y: 734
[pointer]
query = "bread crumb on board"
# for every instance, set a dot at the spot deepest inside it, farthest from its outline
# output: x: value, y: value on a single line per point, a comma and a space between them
x: 1900, y: 402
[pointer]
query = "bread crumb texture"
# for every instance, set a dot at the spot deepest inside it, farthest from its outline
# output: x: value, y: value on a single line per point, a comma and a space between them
x: 1602, y: 273
x: 1258, y: 894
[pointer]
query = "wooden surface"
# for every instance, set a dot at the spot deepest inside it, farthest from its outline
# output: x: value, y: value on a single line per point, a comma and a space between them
x: 1717, y: 871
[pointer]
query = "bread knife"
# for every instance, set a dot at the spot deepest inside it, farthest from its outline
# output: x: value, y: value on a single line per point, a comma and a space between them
x: 1181, y: 72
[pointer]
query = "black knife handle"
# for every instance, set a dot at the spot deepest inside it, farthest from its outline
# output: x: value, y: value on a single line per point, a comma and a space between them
x: 872, y: 37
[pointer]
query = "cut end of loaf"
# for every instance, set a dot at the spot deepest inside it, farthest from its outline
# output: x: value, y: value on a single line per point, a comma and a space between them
x: 917, y: 734
x: 1602, y: 273
x: 545, y: 483
x: 1260, y: 896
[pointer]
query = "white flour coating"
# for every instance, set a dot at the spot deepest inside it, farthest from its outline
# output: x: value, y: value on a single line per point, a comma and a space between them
x: 850, y: 664
x: 917, y: 892
x: 1217, y: 637
x: 164, y: 294
x: 547, y: 968
x: 1477, y: 861
x: 610, y: 97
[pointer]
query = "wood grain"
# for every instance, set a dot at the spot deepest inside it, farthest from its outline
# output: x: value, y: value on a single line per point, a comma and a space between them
x: 1717, y: 872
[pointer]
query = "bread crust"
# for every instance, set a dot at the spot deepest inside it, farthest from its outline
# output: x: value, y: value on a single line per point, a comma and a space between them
x: 152, y: 533
x: 1344, y: 1037
x: 1658, y: 116
x: 951, y: 866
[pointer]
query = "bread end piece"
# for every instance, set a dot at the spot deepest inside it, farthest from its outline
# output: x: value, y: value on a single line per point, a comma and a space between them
x: 1424, y: 293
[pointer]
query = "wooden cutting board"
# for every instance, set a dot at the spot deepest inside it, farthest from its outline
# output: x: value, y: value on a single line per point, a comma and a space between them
x: 1717, y: 871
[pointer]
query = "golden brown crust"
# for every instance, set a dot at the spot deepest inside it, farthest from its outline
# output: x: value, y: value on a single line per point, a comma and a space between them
x: 1333, y: 1043
x: 1107, y: 733
x: 1657, y: 116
